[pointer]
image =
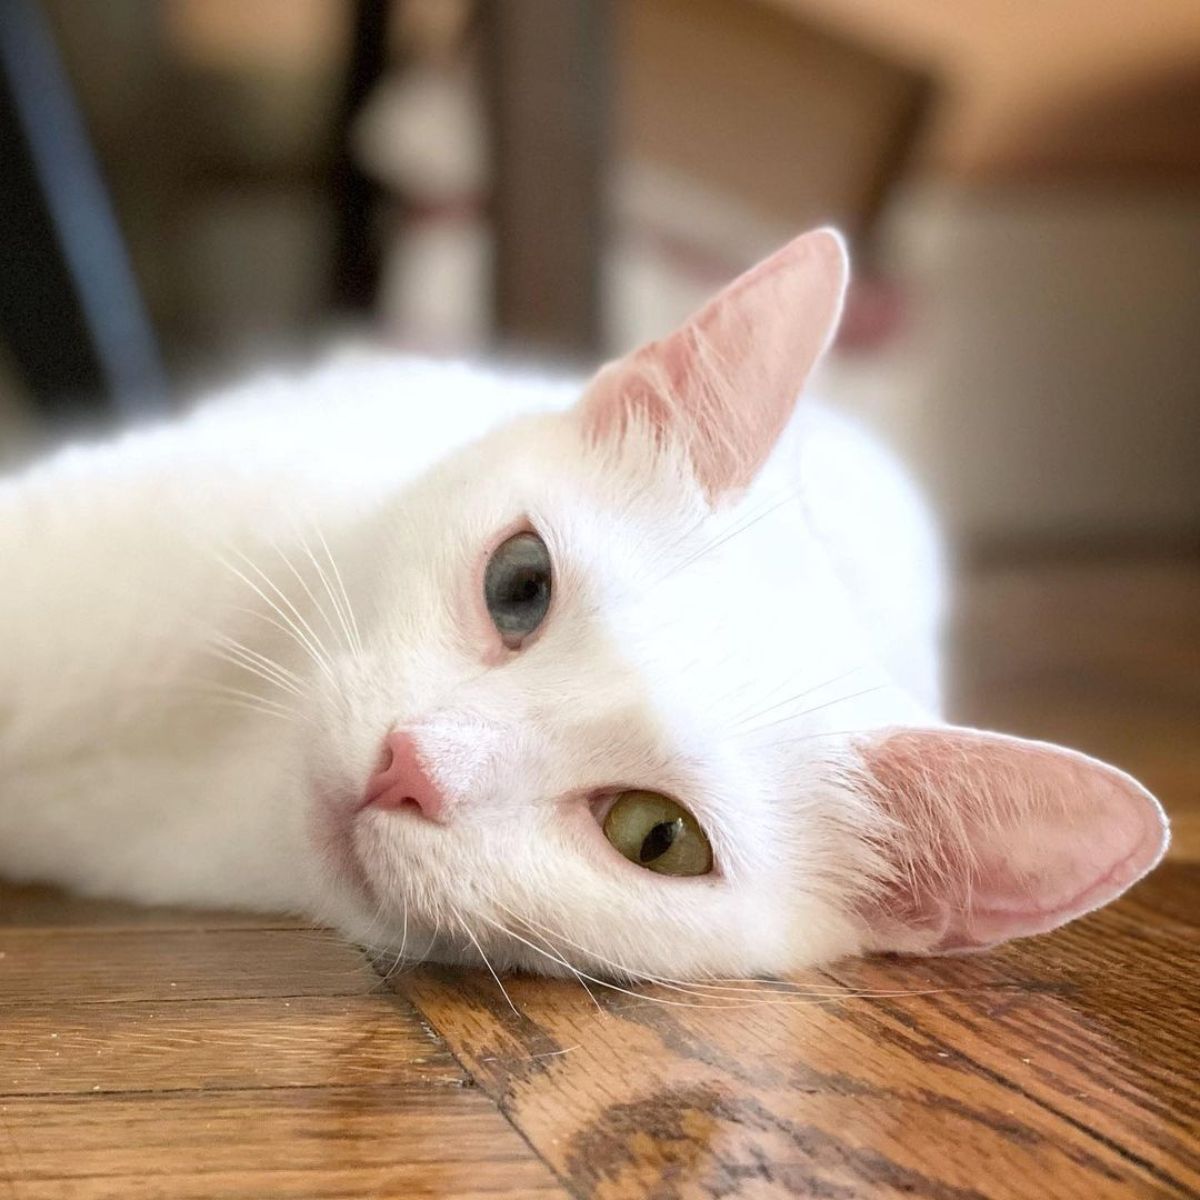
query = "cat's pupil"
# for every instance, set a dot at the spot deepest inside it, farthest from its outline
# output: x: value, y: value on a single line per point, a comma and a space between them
x: 660, y: 839
x: 527, y: 587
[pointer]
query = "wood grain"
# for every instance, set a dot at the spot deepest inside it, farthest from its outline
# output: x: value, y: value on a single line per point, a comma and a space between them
x: 1096, y: 1025
x: 294, y: 1144
x: 231, y: 1062
x: 211, y: 1045
x: 48, y: 908
x: 106, y: 966
x: 167, y: 1054
x: 874, y: 1096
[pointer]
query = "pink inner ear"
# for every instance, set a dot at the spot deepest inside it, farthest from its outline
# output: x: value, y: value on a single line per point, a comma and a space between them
x: 724, y: 385
x: 1001, y: 838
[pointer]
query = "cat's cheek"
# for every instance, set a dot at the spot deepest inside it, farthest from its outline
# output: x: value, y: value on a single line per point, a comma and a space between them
x: 332, y: 830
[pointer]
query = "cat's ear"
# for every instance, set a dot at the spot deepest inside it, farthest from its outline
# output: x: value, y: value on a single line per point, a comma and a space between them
x: 724, y: 385
x: 995, y: 838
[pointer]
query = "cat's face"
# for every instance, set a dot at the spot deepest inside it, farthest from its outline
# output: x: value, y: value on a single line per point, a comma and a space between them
x: 662, y: 663
x: 576, y: 730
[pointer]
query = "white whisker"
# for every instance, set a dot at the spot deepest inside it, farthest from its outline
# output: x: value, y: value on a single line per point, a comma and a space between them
x: 317, y: 605
x: 604, y: 983
x: 302, y: 631
x: 224, y: 641
x: 816, y: 708
x: 565, y: 962
x: 239, y: 698
x: 762, y: 712
x: 487, y: 962
x: 395, y: 967
x: 247, y: 660
x: 284, y: 596
x: 349, y: 616
x: 748, y: 521
x: 344, y: 628
x: 785, y: 990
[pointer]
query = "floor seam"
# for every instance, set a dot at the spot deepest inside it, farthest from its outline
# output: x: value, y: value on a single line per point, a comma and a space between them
x: 562, y: 1181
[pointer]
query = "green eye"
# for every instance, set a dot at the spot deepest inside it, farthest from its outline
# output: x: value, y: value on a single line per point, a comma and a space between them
x: 658, y: 834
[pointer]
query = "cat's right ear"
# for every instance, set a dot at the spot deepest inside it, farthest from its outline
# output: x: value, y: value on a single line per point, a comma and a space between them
x: 993, y: 837
x: 724, y: 385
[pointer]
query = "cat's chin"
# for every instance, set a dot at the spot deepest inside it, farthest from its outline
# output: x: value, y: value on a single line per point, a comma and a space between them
x: 350, y: 836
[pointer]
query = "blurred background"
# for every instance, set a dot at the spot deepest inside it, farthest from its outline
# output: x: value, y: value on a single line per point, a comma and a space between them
x: 190, y: 185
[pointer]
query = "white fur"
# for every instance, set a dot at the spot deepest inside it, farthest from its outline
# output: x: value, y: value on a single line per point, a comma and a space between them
x: 720, y: 657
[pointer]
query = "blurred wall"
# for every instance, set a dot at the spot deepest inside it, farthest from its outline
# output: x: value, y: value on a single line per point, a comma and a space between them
x: 1049, y: 385
x: 214, y: 122
x: 1044, y: 378
x: 1046, y: 382
x: 1019, y: 73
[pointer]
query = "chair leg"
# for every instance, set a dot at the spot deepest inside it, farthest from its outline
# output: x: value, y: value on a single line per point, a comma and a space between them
x: 357, y: 254
x: 70, y: 312
x: 547, y: 63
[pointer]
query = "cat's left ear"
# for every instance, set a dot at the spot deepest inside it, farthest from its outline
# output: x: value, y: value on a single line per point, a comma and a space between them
x: 724, y: 385
x: 993, y: 837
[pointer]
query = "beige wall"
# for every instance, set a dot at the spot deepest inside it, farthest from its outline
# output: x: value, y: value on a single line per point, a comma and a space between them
x: 1050, y: 382
x: 1019, y: 71
x: 1049, y: 385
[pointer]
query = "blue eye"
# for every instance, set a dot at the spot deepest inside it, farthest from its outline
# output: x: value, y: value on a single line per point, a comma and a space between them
x: 516, y: 587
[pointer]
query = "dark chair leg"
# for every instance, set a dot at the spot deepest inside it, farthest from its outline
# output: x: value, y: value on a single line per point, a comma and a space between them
x: 547, y: 66
x: 357, y: 254
x: 70, y: 313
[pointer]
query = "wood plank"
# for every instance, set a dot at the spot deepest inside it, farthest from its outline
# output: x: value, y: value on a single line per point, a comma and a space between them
x: 214, y: 1045
x: 177, y: 964
x: 822, y: 1096
x: 48, y: 908
x: 398, y: 1143
x: 1096, y: 1023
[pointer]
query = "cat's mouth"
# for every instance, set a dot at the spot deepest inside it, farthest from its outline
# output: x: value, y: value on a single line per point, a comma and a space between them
x: 399, y: 803
x: 348, y: 827
x: 335, y: 814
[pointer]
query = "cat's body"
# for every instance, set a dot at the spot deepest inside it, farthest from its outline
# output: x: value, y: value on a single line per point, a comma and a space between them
x: 209, y: 627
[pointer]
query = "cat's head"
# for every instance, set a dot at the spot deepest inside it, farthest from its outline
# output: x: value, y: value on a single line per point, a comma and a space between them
x: 609, y: 703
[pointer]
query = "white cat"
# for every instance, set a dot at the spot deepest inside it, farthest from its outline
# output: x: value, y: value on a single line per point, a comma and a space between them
x: 639, y: 676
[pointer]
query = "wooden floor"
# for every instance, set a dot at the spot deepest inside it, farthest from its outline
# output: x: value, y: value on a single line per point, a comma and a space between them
x: 173, y: 1055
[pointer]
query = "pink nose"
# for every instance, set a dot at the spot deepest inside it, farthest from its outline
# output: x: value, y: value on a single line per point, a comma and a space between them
x: 402, y: 781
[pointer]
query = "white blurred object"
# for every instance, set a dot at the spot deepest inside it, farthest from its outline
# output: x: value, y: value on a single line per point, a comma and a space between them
x: 422, y: 134
x: 672, y: 242
x: 436, y: 284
